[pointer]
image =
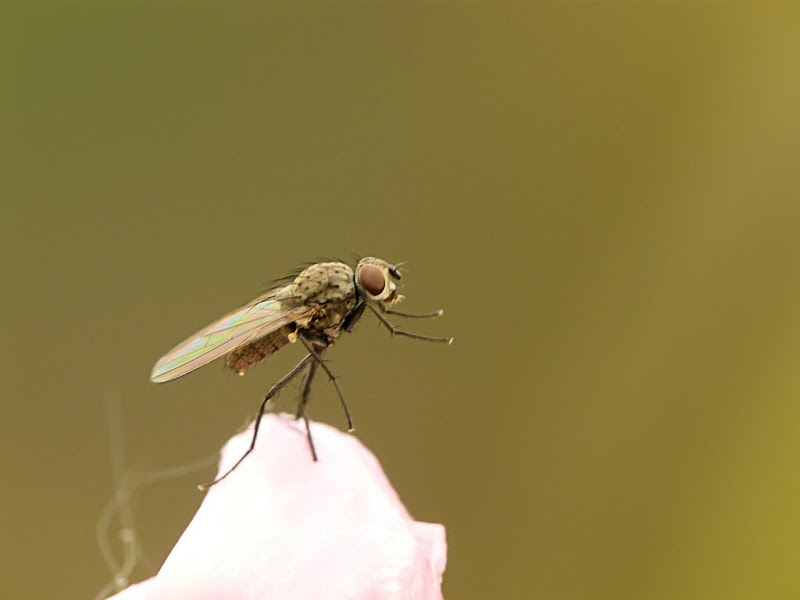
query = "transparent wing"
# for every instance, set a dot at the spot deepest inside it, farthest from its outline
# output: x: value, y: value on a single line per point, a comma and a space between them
x: 238, y: 328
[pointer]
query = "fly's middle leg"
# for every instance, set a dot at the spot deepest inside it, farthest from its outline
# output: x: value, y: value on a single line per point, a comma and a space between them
x: 317, y: 354
x: 305, y: 390
x: 301, y: 405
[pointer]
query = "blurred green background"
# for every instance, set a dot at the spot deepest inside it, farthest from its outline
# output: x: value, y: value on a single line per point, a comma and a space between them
x: 603, y: 197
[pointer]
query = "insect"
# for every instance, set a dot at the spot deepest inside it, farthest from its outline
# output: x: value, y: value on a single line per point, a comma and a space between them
x: 324, y: 300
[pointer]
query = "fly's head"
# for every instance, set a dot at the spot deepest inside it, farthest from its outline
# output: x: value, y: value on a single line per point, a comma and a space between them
x: 374, y: 278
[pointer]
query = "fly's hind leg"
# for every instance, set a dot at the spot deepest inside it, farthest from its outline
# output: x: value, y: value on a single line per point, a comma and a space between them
x: 273, y: 391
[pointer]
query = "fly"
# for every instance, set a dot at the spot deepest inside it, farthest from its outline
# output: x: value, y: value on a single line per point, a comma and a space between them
x: 323, y: 301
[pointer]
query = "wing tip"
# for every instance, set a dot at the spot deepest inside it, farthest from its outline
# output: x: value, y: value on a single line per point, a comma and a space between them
x: 157, y: 375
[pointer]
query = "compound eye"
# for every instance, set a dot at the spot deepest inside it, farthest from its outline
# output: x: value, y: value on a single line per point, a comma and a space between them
x: 372, y: 280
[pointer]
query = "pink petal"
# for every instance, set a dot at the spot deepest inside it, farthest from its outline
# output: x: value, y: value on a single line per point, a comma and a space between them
x: 283, y: 526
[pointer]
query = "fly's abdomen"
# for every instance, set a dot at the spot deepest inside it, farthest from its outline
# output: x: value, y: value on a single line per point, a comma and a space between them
x: 245, y: 357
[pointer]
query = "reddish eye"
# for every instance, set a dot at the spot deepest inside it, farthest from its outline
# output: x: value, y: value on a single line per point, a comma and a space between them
x: 372, y: 279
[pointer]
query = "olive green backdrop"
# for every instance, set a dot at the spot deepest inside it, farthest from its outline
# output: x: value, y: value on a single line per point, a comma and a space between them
x: 604, y: 198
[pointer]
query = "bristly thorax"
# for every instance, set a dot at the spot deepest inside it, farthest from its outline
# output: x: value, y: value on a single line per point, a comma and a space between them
x: 328, y: 290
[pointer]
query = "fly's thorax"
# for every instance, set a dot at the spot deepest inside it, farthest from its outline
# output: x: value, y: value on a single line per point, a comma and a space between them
x: 323, y: 283
x: 325, y: 322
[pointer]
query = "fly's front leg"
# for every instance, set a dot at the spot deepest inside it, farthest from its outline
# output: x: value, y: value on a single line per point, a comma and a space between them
x: 273, y: 391
x: 397, y: 313
x: 417, y: 336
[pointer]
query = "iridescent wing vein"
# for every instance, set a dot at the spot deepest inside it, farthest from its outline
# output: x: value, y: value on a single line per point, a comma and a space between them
x: 252, y: 321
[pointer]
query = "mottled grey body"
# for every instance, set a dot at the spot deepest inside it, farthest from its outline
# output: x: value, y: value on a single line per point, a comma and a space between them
x: 324, y: 300
x: 329, y: 289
